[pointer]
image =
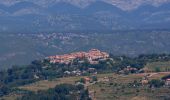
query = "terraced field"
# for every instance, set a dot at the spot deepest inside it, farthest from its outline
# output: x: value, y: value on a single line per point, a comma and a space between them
x: 118, y: 89
x: 115, y: 89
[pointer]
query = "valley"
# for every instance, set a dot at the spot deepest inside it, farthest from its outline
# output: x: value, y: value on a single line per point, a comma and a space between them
x: 23, y: 48
x: 84, y: 49
x: 110, y: 77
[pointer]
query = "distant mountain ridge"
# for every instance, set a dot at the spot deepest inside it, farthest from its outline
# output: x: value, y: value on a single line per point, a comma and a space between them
x: 78, y: 15
x: 123, y: 4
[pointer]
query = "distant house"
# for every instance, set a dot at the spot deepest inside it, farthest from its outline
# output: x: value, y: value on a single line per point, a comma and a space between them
x: 36, y: 77
x: 67, y: 72
x: 79, y: 83
x: 87, y: 80
x: 145, y: 80
x: 167, y: 80
x: 93, y: 57
x: 73, y: 73
x: 76, y: 73
x: 92, y: 70
x: 105, y: 79
x: 128, y: 70
x: 131, y: 69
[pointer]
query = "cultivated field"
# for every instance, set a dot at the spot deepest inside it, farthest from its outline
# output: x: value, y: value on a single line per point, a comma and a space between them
x: 158, y: 66
x: 45, y: 84
x: 117, y: 88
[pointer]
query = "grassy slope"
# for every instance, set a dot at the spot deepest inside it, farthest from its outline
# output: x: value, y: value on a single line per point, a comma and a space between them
x: 105, y: 91
x: 163, y: 66
x: 44, y: 85
x: 15, y: 50
x: 10, y: 97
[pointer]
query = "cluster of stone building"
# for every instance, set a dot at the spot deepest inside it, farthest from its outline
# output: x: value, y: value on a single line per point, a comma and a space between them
x: 77, y: 72
x: 93, y: 56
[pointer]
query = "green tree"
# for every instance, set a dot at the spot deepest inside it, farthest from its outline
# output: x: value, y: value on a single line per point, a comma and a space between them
x: 157, y: 69
x: 156, y: 83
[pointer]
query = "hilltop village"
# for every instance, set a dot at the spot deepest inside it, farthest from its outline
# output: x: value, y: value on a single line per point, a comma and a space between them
x: 93, y: 56
x: 144, y: 75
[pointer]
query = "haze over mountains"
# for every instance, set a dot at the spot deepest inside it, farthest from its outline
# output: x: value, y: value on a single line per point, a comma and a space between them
x: 83, y: 15
x: 79, y: 25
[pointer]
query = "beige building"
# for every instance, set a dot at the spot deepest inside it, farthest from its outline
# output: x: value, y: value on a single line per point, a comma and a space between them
x: 93, y: 56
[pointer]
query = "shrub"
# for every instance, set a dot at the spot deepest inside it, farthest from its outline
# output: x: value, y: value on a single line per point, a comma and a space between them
x: 156, y: 83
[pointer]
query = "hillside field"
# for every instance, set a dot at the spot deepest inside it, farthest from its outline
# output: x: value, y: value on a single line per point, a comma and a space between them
x: 158, y: 66
x: 115, y: 89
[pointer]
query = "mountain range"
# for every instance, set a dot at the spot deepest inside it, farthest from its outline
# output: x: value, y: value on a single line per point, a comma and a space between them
x: 83, y: 15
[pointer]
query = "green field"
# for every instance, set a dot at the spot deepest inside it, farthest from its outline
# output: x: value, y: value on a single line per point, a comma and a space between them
x: 115, y: 89
x: 45, y: 84
x: 158, y: 66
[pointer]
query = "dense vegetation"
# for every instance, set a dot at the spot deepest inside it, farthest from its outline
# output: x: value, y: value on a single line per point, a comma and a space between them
x: 156, y: 83
x: 60, y: 92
